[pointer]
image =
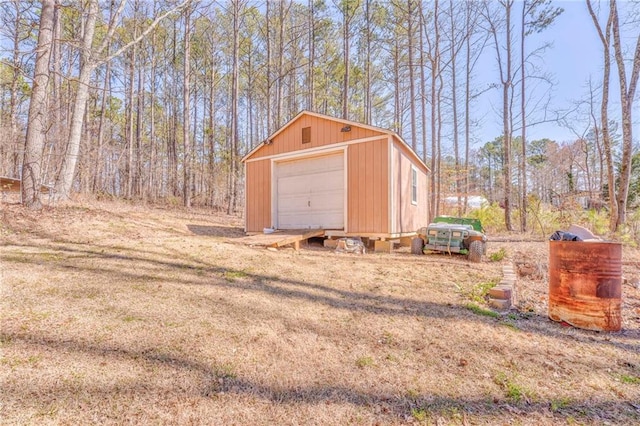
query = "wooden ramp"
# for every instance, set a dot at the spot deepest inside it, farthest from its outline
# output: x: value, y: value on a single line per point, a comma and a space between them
x: 280, y: 238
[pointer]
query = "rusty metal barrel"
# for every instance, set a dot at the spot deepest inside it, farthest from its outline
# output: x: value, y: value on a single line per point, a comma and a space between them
x: 585, y: 284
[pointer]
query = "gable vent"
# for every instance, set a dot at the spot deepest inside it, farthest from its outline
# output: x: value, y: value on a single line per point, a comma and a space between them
x: 306, y: 134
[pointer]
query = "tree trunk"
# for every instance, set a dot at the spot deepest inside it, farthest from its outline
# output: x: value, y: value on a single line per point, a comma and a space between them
x: 312, y: 56
x: 604, y: 108
x: 172, y: 140
x: 454, y: 108
x: 506, y: 121
x: 507, y: 92
x: 212, y: 133
x: 13, y: 101
x: 423, y: 88
x: 186, y: 125
x: 97, y: 172
x: 281, y: 47
x: 523, y: 112
x: 129, y: 124
x: 367, y: 64
x: 412, y: 91
x: 87, y: 64
x: 627, y: 94
x: 268, y: 71
x: 434, y: 53
x: 467, y: 105
x: 140, y: 100
x: 152, y: 189
x: 57, y: 129
x: 231, y: 207
x: 397, y: 121
x: 37, y: 124
x: 347, y: 16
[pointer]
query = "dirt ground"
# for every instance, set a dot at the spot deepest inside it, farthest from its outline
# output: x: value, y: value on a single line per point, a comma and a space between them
x: 121, y: 314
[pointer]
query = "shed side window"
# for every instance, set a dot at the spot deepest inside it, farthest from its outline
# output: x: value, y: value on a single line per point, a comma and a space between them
x: 306, y: 134
x: 414, y: 186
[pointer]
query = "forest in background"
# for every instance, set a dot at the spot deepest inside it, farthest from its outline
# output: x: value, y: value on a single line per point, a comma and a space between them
x: 159, y: 100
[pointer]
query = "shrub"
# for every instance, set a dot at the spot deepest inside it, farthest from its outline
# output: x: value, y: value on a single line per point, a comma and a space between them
x: 498, y: 255
x: 491, y: 216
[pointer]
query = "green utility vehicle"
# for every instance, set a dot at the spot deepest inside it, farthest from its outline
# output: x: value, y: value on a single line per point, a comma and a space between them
x: 449, y: 234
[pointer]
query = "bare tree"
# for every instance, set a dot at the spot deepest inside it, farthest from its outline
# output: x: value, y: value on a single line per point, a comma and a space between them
x: 433, y: 55
x: 504, y: 58
x: 348, y: 9
x: 605, y: 38
x: 423, y: 84
x: 367, y: 61
x: 627, y: 95
x: 536, y: 16
x: 312, y: 56
x: 186, y: 108
x: 412, y: 90
x: 233, y: 190
x: 37, y: 124
x: 129, y: 102
x: 87, y: 64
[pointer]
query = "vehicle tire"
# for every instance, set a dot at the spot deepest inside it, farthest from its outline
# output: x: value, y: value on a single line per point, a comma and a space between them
x: 476, y: 249
x: 416, y: 245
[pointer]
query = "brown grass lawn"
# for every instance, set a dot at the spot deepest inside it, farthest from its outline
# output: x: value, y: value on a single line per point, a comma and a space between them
x: 119, y: 314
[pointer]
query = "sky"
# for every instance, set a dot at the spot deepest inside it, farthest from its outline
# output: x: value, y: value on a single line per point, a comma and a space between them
x: 575, y: 55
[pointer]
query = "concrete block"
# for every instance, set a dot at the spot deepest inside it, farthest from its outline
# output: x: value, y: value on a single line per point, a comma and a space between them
x: 405, y: 241
x: 383, y: 246
x: 500, y: 292
x: 500, y: 304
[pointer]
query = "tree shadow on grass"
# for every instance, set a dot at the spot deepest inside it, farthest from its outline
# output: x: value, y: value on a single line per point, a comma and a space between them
x: 213, y: 380
x: 197, y: 272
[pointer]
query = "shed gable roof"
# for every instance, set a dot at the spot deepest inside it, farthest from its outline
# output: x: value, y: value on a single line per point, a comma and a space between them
x: 341, y: 122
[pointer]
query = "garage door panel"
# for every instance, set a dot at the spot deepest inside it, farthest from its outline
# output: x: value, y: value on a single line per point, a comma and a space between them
x: 311, y: 166
x: 291, y: 186
x: 293, y: 203
x: 329, y: 181
x: 310, y: 193
x: 326, y: 220
x: 329, y: 201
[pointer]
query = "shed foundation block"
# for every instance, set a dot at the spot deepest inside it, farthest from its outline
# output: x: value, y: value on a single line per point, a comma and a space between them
x: 383, y: 246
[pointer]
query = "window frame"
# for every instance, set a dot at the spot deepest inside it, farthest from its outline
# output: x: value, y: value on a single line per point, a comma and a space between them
x: 414, y: 186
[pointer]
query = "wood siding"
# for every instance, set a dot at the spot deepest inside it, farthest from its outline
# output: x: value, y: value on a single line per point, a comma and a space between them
x: 407, y: 217
x: 368, y: 187
x: 258, y: 196
x: 323, y: 132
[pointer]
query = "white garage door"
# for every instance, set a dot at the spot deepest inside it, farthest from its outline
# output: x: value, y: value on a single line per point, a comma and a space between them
x: 310, y: 193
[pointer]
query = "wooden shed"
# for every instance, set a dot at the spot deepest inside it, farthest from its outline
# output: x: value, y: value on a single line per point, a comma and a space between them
x: 347, y: 178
